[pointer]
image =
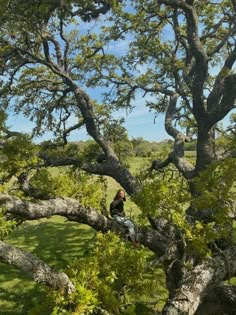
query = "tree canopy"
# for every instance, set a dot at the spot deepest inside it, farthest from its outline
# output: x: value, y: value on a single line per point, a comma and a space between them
x: 59, y: 70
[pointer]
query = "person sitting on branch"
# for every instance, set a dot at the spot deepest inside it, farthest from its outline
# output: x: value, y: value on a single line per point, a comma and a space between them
x: 118, y: 214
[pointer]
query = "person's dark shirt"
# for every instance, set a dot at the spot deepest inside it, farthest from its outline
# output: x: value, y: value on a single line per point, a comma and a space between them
x: 117, y: 207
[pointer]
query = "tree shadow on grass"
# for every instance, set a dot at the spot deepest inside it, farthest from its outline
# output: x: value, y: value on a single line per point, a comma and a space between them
x: 54, y: 241
x: 19, y: 298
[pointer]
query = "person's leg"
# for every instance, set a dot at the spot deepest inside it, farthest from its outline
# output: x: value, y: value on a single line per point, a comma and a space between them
x: 119, y: 219
x: 129, y: 224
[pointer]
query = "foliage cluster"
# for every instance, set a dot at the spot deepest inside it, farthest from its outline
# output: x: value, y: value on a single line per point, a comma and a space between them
x: 68, y: 182
x: 111, y: 278
x: 167, y: 195
x: 21, y: 156
x: 6, y: 226
x: 18, y: 153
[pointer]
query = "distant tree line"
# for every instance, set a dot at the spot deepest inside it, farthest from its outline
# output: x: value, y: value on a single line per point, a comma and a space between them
x: 135, y: 147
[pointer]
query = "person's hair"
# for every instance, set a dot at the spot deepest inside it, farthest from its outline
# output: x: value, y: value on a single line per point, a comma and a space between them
x: 117, y: 194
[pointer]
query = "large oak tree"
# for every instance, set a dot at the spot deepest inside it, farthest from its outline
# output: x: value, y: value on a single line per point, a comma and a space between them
x: 182, y: 54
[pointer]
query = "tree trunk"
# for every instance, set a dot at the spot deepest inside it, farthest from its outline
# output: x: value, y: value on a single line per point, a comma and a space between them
x: 205, y: 147
x: 194, y: 286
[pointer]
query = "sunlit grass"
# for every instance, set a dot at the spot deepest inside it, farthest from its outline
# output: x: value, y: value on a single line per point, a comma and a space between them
x: 51, y: 240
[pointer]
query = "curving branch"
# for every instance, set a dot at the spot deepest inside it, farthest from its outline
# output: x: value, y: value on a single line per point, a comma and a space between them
x: 67, y: 207
x: 71, y: 209
x: 200, y: 66
x: 158, y: 164
x: 180, y: 38
x: 196, y: 283
x: 177, y: 156
x: 67, y: 45
x: 35, y: 267
x: 222, y: 97
x: 227, y: 102
x: 68, y: 130
x: 197, y: 51
x: 46, y: 51
x: 109, y: 167
x: 57, y: 49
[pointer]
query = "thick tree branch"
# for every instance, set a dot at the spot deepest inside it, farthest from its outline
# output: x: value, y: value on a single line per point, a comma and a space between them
x: 206, y: 152
x: 201, y: 60
x: 118, y: 172
x: 196, y: 283
x: 222, y: 97
x: 67, y: 207
x: 35, y: 267
x: 109, y: 167
x: 74, y: 211
x: 158, y: 164
x: 200, y: 69
x: 50, y: 161
x: 180, y: 38
x: 47, y: 51
x: 177, y: 156
x: 67, y: 45
x: 57, y: 49
x: 227, y: 102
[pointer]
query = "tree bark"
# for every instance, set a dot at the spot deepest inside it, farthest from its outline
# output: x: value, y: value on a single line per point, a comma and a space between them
x: 205, y: 146
x: 196, y: 283
x: 67, y: 207
x: 35, y: 267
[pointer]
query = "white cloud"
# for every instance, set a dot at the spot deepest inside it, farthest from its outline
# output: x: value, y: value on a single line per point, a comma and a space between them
x: 118, y: 48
